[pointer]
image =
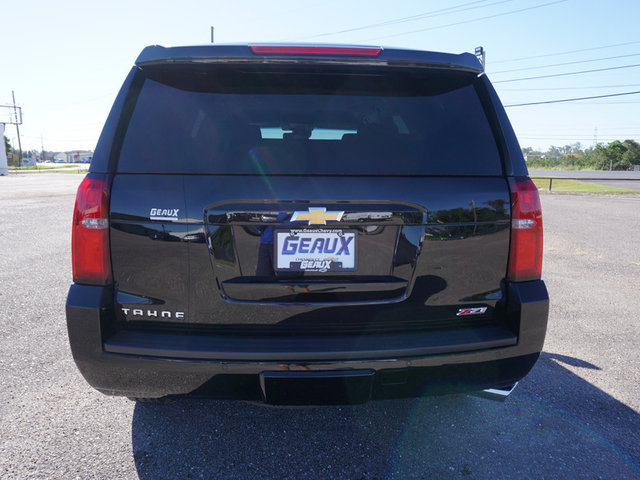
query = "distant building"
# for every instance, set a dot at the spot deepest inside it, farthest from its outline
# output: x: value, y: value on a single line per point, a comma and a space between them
x: 76, y: 156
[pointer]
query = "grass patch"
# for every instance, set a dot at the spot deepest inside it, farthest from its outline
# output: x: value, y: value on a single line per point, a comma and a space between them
x: 44, y: 167
x: 66, y: 170
x: 564, y: 168
x: 58, y: 168
x: 562, y: 185
x: 37, y: 167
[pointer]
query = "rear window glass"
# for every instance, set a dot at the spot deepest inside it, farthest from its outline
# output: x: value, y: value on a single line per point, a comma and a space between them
x: 291, y: 123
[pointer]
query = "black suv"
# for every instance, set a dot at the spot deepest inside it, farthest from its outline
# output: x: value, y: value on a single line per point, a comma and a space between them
x: 306, y: 224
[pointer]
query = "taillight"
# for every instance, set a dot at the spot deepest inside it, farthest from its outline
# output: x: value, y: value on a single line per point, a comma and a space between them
x: 525, y: 256
x: 314, y: 50
x: 90, y: 237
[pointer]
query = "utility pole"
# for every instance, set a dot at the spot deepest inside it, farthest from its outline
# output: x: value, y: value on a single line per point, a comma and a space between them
x: 15, y: 112
x: 211, y: 34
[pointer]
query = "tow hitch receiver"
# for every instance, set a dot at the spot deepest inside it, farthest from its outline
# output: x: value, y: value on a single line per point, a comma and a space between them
x: 316, y: 388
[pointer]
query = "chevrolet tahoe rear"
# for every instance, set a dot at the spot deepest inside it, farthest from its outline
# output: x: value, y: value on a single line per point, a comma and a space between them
x: 306, y: 224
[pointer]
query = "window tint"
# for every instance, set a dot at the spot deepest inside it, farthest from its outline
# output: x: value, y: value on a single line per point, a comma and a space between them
x: 428, y: 130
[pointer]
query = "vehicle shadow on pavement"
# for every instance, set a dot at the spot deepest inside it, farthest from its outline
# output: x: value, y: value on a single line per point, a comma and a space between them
x: 554, y: 425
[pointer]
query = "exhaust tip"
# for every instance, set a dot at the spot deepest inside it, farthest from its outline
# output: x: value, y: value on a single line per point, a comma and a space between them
x: 499, y: 394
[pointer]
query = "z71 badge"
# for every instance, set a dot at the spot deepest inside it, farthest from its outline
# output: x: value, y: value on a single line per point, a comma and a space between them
x: 471, y: 311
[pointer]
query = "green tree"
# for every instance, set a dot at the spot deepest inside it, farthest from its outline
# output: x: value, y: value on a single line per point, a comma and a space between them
x: 616, y: 155
x: 7, y: 146
x: 632, y: 155
x: 576, y: 148
x: 599, y: 158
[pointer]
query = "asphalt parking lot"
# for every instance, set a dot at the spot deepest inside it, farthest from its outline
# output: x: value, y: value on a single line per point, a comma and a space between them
x: 576, y: 415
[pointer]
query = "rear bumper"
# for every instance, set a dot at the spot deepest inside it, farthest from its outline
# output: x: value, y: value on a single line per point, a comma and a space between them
x: 303, y: 370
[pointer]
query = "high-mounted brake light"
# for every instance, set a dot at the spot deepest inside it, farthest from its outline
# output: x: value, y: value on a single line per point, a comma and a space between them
x: 90, y: 237
x: 312, y: 50
x: 525, y: 256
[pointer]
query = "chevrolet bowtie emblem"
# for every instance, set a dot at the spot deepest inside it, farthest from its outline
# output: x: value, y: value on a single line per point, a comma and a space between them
x: 316, y: 216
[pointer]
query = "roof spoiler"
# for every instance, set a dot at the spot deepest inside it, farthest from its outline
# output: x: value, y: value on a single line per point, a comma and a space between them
x: 345, y: 54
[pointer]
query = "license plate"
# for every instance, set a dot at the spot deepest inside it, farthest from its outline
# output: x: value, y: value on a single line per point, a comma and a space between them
x: 315, y: 250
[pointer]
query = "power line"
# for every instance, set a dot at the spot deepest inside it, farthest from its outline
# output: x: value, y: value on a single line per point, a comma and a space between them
x: 568, y: 73
x: 565, y: 52
x: 567, y: 88
x: 581, y: 136
x: 567, y: 63
x: 51, y: 139
x: 609, y: 103
x: 576, y: 139
x: 570, y: 137
x: 590, y: 129
x: 573, y: 137
x: 411, y: 18
x: 468, y: 21
x: 420, y: 16
x: 573, y: 99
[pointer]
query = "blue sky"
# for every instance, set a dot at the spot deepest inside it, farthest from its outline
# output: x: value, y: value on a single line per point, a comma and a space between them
x: 67, y: 59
